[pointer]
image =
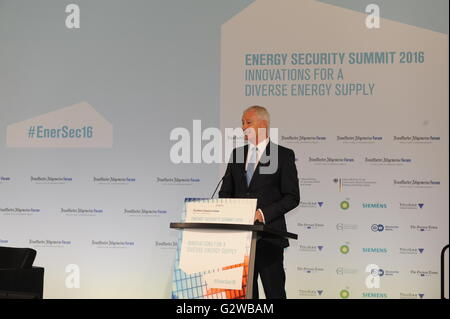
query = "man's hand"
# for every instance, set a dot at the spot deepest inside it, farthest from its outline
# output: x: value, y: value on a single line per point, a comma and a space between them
x: 258, y: 216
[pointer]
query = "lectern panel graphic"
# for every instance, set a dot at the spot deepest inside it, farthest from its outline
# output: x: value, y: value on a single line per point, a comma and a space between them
x: 213, y: 263
x: 215, y: 256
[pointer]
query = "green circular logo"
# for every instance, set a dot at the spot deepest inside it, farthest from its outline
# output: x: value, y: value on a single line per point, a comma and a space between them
x: 345, y: 205
x: 344, y: 249
x: 344, y: 294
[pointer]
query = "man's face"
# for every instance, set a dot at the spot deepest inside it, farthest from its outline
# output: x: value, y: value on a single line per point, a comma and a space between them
x: 250, y: 125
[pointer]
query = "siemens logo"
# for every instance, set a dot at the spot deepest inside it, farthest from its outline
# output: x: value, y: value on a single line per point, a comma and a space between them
x: 374, y: 205
x: 375, y: 250
x: 374, y: 295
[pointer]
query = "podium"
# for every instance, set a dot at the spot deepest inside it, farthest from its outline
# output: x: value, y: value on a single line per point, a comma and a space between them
x: 193, y: 288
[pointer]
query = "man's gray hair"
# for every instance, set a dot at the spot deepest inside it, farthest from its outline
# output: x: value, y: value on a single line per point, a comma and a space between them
x: 262, y: 112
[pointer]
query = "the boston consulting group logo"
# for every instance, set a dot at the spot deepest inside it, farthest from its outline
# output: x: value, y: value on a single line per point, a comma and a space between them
x: 346, y: 227
x: 78, y: 125
x: 343, y: 271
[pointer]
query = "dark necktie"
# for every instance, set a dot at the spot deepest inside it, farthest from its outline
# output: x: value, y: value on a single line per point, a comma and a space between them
x: 251, y: 165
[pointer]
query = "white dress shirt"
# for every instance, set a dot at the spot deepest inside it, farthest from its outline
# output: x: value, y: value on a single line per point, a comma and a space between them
x: 261, y: 148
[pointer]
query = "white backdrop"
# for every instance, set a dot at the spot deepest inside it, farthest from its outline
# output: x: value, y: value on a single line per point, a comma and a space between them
x: 95, y: 198
x: 381, y: 153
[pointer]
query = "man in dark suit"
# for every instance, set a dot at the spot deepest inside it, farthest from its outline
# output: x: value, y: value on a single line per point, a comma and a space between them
x: 267, y: 172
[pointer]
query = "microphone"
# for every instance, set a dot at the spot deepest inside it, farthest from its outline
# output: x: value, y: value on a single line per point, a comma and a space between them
x: 221, y: 180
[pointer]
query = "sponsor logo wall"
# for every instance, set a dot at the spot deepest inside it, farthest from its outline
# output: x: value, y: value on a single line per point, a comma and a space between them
x: 373, y: 166
x: 85, y: 172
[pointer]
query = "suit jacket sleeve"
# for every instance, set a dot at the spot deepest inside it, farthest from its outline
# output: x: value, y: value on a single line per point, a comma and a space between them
x: 289, y: 189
